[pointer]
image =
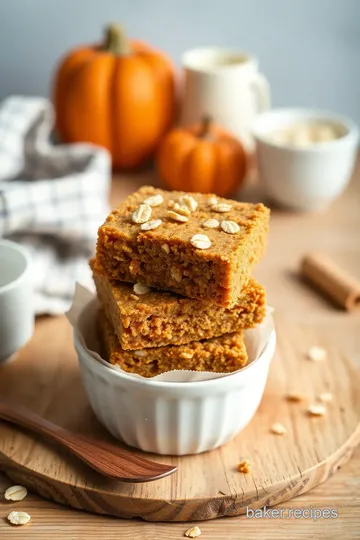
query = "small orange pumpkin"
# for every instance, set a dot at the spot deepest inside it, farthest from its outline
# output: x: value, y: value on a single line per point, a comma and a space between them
x: 119, y: 95
x: 202, y: 158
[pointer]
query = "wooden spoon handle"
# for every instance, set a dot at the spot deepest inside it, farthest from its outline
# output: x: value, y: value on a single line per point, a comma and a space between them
x: 112, y: 461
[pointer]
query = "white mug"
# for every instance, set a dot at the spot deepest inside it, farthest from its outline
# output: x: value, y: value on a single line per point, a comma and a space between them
x: 16, y: 298
x: 225, y: 85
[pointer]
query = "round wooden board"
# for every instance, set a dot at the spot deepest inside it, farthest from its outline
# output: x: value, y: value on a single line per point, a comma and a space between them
x: 45, y: 377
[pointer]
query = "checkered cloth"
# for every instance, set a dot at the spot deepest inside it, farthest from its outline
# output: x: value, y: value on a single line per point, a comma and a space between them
x: 52, y: 199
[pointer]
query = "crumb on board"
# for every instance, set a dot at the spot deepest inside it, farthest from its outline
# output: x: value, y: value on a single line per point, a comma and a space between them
x: 244, y: 466
x: 193, y: 532
x: 15, y: 493
x: 316, y: 409
x: 317, y: 354
x: 326, y: 397
x: 18, y: 518
x: 278, y: 429
x: 296, y: 397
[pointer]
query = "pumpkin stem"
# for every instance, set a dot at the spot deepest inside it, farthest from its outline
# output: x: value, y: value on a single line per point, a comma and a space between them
x: 116, y: 41
x: 205, y: 127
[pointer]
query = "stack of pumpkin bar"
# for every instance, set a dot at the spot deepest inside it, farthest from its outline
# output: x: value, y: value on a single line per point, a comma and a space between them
x: 173, y: 275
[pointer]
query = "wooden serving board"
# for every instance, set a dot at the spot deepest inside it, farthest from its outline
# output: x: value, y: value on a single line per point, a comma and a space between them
x: 45, y: 377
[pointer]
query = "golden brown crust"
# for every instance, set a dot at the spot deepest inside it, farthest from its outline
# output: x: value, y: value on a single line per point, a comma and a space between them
x: 224, y: 354
x: 164, y: 257
x: 160, y: 318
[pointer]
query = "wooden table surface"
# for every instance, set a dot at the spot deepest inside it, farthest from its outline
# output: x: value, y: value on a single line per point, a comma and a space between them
x: 336, y: 232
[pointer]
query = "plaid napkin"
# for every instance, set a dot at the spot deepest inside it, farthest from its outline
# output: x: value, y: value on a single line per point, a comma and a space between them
x: 52, y: 199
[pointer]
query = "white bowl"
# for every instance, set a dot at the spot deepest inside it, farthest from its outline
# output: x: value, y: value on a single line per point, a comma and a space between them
x: 174, y: 418
x: 307, y: 177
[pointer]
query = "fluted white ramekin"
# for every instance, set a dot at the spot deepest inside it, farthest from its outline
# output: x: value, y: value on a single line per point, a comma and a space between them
x: 174, y: 418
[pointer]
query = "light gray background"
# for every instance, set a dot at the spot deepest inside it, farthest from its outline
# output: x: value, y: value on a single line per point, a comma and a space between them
x: 308, y: 49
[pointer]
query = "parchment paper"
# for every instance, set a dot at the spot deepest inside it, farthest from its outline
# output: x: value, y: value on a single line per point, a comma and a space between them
x: 82, y: 316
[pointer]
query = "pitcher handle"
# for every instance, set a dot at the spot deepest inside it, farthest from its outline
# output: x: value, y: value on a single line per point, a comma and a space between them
x: 262, y: 90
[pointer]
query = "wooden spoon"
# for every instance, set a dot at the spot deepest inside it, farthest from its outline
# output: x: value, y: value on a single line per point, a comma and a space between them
x: 109, y: 460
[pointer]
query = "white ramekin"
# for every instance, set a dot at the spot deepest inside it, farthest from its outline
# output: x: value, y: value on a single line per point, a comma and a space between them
x: 309, y: 177
x: 174, y: 418
x: 17, y: 315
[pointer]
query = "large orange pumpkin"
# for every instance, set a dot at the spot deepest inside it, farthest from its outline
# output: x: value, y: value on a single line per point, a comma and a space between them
x: 202, y: 158
x: 119, y: 95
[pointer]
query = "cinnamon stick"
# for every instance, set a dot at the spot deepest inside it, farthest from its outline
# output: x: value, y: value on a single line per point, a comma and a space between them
x: 343, y: 288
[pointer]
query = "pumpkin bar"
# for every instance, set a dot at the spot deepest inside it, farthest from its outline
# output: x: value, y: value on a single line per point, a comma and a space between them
x: 196, y: 245
x: 221, y: 355
x: 159, y: 318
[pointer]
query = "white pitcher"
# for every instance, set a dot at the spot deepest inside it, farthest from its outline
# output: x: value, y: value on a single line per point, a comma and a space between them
x: 225, y: 85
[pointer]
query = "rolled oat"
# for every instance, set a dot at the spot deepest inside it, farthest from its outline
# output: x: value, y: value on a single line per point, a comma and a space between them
x: 140, y: 288
x: 142, y: 214
x: 221, y: 208
x: 230, y: 227
x: 177, y: 217
x: 189, y: 202
x: 15, y: 493
x: 200, y: 241
x: 155, y: 200
x: 19, y: 518
x: 150, y: 225
x: 212, y: 201
x: 211, y: 224
x: 182, y: 210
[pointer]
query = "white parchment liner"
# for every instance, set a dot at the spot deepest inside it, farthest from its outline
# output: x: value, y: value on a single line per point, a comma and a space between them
x: 82, y: 317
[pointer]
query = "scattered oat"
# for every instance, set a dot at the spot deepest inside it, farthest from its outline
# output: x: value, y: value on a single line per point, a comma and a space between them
x: 166, y: 248
x: 200, y: 241
x: 187, y: 355
x: 134, y: 297
x: 316, y: 409
x: 19, y: 518
x: 326, y: 397
x: 155, y: 200
x: 176, y: 274
x: 140, y: 288
x: 142, y: 214
x: 141, y: 353
x: 221, y: 208
x: 212, y: 201
x: 189, y: 202
x: 177, y: 217
x: 230, y: 227
x: 317, y: 354
x: 244, y: 466
x: 150, y: 225
x: 171, y: 203
x: 193, y: 532
x: 211, y: 224
x: 15, y: 493
x: 296, y: 397
x: 278, y: 429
